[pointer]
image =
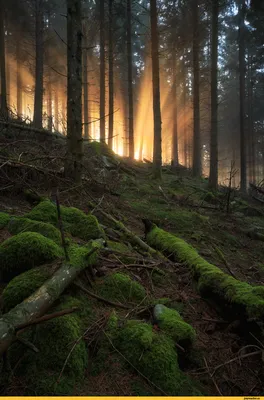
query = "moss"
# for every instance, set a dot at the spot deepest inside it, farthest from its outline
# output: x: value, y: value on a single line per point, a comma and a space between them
x: 56, y: 340
x: 121, y: 287
x: 122, y: 248
x: 26, y: 251
x: 172, y: 324
x: 154, y: 355
x: 242, y: 297
x: 4, y: 219
x: 17, y: 225
x: 75, y: 221
x: 23, y: 285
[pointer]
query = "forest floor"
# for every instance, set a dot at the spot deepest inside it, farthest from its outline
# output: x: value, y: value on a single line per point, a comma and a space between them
x: 220, y: 361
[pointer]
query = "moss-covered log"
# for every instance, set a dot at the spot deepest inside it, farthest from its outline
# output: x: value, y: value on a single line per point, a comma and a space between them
x: 246, y: 301
x: 40, y: 301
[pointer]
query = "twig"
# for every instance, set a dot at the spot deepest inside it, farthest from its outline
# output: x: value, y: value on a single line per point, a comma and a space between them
x: 47, y: 317
x: 211, y: 376
x: 101, y: 298
x: 254, y: 353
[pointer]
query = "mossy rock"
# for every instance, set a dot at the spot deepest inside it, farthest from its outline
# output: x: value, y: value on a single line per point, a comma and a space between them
x: 173, y: 325
x: 121, y: 287
x: 26, y: 251
x: 23, y: 285
x: 4, y: 219
x: 56, y: 340
x: 154, y: 355
x: 17, y: 225
x: 75, y: 221
x: 245, y: 300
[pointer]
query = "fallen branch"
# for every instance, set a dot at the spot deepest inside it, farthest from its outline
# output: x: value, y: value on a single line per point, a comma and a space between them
x: 40, y: 301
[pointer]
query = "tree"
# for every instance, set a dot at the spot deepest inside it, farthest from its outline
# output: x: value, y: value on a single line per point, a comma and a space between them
x: 111, y: 77
x: 39, y: 66
x: 130, y: 83
x: 174, y: 155
x: 102, y: 71
x: 213, y: 177
x: 73, y: 161
x: 3, y: 103
x: 242, y: 73
x: 157, y: 156
x: 197, y: 167
x: 85, y: 83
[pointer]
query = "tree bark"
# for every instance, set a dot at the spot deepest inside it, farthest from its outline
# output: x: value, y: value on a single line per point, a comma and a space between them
x: 130, y: 81
x: 73, y: 161
x: 19, y: 80
x: 85, y: 85
x: 197, y: 167
x: 102, y: 72
x: 111, y: 77
x: 213, y: 176
x: 157, y: 156
x: 242, y: 72
x: 174, y: 153
x: 39, y: 67
x: 39, y: 302
x: 3, y: 97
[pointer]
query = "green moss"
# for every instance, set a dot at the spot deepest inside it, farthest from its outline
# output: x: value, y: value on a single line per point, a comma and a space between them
x: 17, y: 225
x: 26, y: 251
x: 4, y: 219
x: 121, y: 287
x: 243, y: 297
x: 122, y: 248
x: 154, y: 355
x: 75, y: 221
x: 172, y: 324
x: 56, y: 340
x: 23, y: 285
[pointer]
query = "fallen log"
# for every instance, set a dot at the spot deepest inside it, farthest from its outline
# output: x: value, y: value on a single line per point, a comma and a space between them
x: 40, y: 301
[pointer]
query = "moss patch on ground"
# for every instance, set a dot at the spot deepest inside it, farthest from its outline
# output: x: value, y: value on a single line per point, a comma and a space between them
x: 17, y: 225
x: 173, y: 325
x: 120, y: 287
x: 243, y: 298
x: 58, y: 340
x: 75, y: 221
x: 4, y: 219
x: 23, y: 285
x: 26, y: 251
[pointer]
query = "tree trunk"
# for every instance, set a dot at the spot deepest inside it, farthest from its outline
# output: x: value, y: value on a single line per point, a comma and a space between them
x: 174, y: 153
x: 49, y: 107
x: 251, y: 121
x: 242, y: 72
x: 56, y: 110
x: 73, y: 162
x: 3, y: 97
x: 40, y: 301
x: 157, y: 157
x: 130, y: 82
x: 39, y: 68
x: 197, y: 167
x: 85, y: 85
x: 213, y: 177
x: 102, y: 72
x: 111, y: 77
x: 19, y: 80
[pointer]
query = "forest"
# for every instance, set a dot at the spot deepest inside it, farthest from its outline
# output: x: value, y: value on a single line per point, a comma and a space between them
x: 131, y: 197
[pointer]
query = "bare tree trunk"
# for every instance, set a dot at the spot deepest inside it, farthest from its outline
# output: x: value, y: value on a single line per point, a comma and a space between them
x: 85, y: 84
x: 130, y: 81
x: 19, y: 80
x: 111, y: 77
x: 251, y: 121
x: 242, y: 70
x: 56, y: 110
x: 157, y: 157
x: 213, y: 177
x: 73, y: 162
x: 39, y: 69
x: 174, y: 153
x: 49, y: 107
x: 197, y: 167
x: 3, y: 98
x: 102, y: 72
